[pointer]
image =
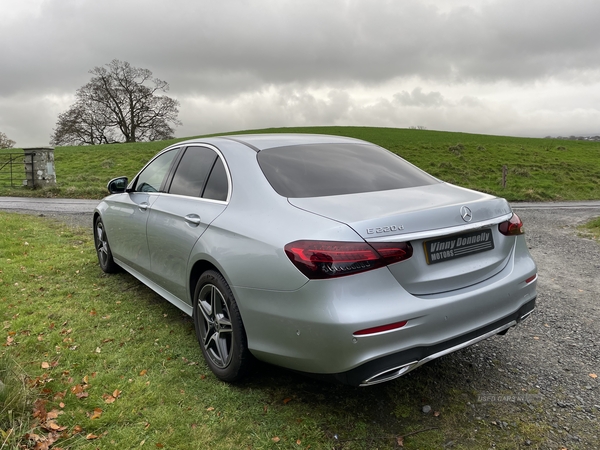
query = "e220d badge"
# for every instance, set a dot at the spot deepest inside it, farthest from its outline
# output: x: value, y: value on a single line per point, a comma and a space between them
x: 385, y: 229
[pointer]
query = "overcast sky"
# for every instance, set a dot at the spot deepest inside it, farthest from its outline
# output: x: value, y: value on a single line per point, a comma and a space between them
x: 509, y: 67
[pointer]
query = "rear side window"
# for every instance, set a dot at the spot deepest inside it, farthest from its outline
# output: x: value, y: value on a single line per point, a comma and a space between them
x: 200, y: 173
x: 216, y: 187
x: 192, y: 171
x: 319, y: 170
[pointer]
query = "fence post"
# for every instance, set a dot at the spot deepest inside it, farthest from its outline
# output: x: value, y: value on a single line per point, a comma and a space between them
x: 39, y: 167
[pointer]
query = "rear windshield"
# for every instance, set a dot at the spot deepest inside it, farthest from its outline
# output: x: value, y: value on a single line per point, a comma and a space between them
x: 319, y: 170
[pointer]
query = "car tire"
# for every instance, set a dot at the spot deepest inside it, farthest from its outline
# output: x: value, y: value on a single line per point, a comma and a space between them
x: 105, y: 258
x: 219, y: 328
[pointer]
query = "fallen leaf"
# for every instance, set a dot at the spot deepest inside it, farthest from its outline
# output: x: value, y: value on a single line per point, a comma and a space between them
x: 298, y: 442
x: 210, y: 408
x: 61, y: 404
x: 536, y: 338
x: 116, y: 393
x: 39, y: 409
x: 53, y: 414
x: 53, y: 426
x: 275, y: 439
x: 77, y: 429
x: 400, y: 441
x: 45, y: 365
x: 82, y: 395
x: 436, y: 413
x: 159, y: 445
x: 91, y: 436
x: 286, y: 400
x: 96, y: 414
x: 143, y: 372
x: 77, y: 389
x: 85, y: 379
x: 593, y: 375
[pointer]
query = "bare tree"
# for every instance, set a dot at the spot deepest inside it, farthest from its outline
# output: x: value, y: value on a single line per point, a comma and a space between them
x: 5, y: 142
x: 121, y: 103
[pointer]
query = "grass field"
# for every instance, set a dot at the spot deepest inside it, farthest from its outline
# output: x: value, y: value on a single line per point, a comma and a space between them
x: 94, y: 361
x: 103, y: 362
x: 536, y: 169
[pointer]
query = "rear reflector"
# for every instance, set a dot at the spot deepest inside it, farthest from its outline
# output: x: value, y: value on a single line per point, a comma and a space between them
x: 530, y: 279
x: 330, y: 259
x: 380, y: 329
x: 512, y: 227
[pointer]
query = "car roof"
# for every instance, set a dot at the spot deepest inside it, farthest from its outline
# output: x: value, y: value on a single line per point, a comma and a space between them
x: 259, y: 142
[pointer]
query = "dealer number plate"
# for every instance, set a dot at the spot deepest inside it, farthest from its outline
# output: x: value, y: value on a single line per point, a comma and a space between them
x: 456, y: 246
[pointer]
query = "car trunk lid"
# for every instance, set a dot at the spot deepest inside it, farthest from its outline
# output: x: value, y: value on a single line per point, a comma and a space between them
x: 453, y: 231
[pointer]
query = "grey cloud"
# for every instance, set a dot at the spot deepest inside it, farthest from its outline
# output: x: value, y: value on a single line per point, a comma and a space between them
x: 261, y: 63
x: 318, y: 42
x: 418, y: 98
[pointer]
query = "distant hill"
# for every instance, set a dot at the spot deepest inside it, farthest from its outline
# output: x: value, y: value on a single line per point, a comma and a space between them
x: 536, y: 169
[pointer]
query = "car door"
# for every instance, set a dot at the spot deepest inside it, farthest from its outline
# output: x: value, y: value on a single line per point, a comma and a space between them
x: 127, y: 213
x: 197, y: 193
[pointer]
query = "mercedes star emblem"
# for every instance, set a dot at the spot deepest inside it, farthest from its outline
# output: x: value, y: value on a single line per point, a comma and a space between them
x: 466, y: 214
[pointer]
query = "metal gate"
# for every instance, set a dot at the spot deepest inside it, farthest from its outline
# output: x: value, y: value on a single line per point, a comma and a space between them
x: 12, y: 169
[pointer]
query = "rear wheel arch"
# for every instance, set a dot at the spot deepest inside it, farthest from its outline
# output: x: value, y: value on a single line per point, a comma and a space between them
x: 198, y: 269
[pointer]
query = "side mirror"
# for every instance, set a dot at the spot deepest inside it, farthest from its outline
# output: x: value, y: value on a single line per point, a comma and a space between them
x: 117, y: 185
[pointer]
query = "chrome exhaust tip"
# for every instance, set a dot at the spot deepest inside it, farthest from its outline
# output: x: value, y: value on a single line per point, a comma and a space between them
x: 390, y: 374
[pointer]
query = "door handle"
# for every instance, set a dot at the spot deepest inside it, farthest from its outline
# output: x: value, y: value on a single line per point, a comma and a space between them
x: 193, y: 219
x: 143, y: 206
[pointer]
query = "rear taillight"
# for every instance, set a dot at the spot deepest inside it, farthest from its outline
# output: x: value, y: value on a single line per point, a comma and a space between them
x: 330, y: 259
x: 512, y: 227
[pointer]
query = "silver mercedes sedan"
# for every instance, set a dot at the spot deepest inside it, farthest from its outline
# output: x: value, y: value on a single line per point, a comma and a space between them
x: 322, y: 254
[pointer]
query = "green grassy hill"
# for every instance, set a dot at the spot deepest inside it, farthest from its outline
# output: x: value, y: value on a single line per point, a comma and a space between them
x: 537, y: 169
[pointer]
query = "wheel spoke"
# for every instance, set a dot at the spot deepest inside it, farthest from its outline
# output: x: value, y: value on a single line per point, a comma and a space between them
x: 224, y: 325
x: 223, y: 350
x: 100, y: 233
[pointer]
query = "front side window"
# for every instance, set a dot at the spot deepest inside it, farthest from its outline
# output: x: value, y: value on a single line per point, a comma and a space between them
x: 153, y: 175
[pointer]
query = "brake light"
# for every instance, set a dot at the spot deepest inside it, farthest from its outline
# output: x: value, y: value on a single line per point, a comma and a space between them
x: 330, y: 259
x: 512, y: 227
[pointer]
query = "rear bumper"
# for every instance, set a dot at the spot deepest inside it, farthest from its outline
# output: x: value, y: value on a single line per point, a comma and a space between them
x: 312, y: 329
x: 393, y: 366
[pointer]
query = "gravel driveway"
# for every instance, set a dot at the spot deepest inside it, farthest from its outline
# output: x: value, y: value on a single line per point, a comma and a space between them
x: 556, y: 352
x: 554, y: 356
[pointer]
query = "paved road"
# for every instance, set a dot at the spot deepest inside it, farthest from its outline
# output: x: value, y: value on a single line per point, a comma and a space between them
x: 50, y: 206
